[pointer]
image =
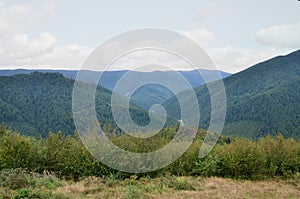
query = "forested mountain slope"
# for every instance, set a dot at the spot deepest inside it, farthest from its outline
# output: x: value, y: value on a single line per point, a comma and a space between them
x: 37, y: 103
x: 263, y: 99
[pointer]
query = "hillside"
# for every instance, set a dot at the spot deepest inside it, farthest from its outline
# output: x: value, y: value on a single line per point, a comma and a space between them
x: 144, y: 97
x: 263, y: 99
x: 38, y: 103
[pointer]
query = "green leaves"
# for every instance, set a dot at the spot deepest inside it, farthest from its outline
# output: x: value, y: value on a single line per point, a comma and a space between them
x: 17, y: 151
x: 66, y: 157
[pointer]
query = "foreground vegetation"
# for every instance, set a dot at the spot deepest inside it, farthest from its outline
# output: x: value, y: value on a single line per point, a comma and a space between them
x: 20, y: 184
x: 60, y: 167
x: 66, y: 157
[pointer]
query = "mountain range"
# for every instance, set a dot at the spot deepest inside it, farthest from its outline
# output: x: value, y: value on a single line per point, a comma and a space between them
x: 145, y: 96
x: 263, y: 99
x: 37, y: 103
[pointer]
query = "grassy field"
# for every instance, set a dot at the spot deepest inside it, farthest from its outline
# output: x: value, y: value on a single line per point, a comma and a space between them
x: 45, y: 186
x: 181, y: 187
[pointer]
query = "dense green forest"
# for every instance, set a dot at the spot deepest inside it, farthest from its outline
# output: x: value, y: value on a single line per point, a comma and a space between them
x: 261, y: 100
x: 35, y: 104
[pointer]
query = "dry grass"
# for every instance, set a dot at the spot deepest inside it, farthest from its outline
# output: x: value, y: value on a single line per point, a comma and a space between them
x: 228, y: 188
x: 171, y: 187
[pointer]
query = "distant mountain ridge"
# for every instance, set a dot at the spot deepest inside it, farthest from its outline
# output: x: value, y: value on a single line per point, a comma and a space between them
x: 263, y: 99
x: 111, y: 77
x: 144, y: 97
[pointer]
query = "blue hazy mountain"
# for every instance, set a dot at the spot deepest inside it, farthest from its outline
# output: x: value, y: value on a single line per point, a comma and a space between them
x: 147, y: 95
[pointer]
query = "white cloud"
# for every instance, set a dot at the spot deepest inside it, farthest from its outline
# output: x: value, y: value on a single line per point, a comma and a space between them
x: 61, y: 57
x: 21, y: 46
x: 200, y: 35
x: 229, y: 58
x: 19, y: 49
x: 17, y: 46
x: 169, y: 52
x: 15, y: 19
x: 232, y: 59
x: 286, y: 36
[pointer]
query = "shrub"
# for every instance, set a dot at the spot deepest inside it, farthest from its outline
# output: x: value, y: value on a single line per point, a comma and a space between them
x: 208, y: 166
x: 241, y: 159
x: 66, y: 157
x: 282, y: 155
x: 17, y: 151
x: 180, y: 183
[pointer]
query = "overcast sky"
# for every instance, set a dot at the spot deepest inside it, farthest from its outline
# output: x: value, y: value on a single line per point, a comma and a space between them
x: 236, y: 34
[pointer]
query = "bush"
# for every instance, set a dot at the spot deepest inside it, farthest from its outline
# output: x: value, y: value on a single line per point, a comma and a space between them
x: 66, y: 157
x: 17, y: 151
x: 208, y: 166
x: 282, y: 155
x: 241, y: 159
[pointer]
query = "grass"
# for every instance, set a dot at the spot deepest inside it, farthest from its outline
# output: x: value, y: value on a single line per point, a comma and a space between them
x: 181, y: 187
x: 160, y: 188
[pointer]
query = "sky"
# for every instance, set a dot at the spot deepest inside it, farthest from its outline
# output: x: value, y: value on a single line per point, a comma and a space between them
x: 61, y: 34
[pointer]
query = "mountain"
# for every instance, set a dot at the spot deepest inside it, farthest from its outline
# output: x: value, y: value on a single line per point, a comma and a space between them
x: 263, y: 99
x: 37, y: 103
x: 145, y: 96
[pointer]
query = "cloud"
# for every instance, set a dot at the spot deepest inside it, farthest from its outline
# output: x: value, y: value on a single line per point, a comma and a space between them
x: 17, y: 46
x: 22, y: 46
x: 20, y: 49
x: 286, y: 36
x: 15, y: 18
x: 17, y: 49
x: 165, y: 49
x: 200, y: 35
x: 60, y: 57
x: 229, y: 58
x: 232, y: 59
